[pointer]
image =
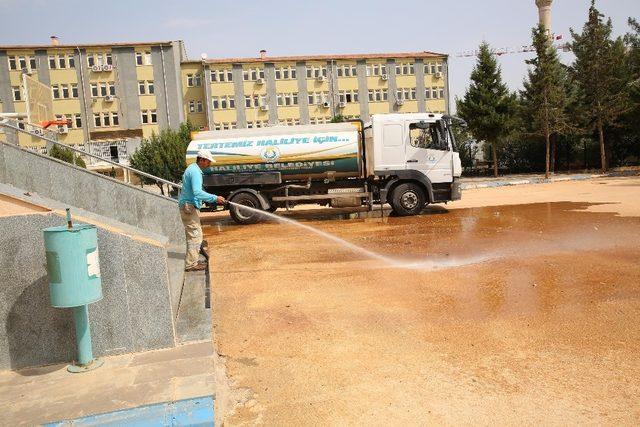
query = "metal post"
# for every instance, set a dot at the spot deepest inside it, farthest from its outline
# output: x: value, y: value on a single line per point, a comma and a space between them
x: 83, y: 334
x: 85, y: 361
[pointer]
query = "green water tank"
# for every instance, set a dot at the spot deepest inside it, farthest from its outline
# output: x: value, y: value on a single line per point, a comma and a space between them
x: 73, y: 265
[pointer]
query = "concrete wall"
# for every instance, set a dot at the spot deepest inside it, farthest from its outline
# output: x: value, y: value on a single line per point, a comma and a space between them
x: 127, y: 87
x: 134, y: 314
x: 93, y: 192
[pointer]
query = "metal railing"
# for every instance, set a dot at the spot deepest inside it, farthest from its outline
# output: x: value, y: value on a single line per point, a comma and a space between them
x: 7, y: 123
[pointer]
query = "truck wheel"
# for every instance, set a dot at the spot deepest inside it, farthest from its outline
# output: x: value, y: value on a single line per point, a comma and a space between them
x: 245, y: 216
x: 407, y: 199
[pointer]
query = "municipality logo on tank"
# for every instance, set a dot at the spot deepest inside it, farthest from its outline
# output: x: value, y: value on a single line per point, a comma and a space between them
x: 270, y: 154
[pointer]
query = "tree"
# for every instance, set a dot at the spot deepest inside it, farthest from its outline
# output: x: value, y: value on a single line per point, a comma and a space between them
x: 66, y: 155
x: 487, y: 104
x: 543, y: 100
x: 598, y: 72
x: 163, y: 155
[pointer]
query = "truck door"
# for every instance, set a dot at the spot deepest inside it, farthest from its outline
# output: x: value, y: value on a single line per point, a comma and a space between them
x: 392, y: 150
x: 428, y: 150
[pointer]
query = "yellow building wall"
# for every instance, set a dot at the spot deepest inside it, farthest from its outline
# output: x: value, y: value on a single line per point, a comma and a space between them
x: 194, y: 93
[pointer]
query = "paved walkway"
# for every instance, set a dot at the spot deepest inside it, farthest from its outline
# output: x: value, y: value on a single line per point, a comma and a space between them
x: 50, y: 393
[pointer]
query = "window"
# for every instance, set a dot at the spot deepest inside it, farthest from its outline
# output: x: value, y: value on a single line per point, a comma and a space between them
x: 427, y: 93
x: 74, y: 90
x: 145, y: 87
x: 78, y: 120
x: 405, y: 68
x: 348, y: 71
x: 434, y: 68
x: 22, y: 61
x: 103, y: 89
x: 65, y: 91
x: 106, y: 119
x: 192, y: 106
x: 223, y: 102
x: 96, y: 120
x: 56, y: 91
x: 108, y: 59
x: 13, y: 65
x: 434, y: 92
x: 72, y: 61
x: 94, y: 90
x: 316, y: 72
x: 149, y: 116
x: 439, y: 67
x: 348, y: 96
x: 138, y: 58
x: 62, y: 61
x: 52, y: 62
x: 441, y: 93
x: 90, y: 60
x: 147, y: 59
x: 221, y: 76
x: 194, y: 80
x: 17, y: 93
x: 115, y: 119
x: 199, y: 108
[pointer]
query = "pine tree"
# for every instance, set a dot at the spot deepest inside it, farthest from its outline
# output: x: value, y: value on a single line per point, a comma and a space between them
x: 543, y: 100
x: 487, y: 104
x: 598, y: 73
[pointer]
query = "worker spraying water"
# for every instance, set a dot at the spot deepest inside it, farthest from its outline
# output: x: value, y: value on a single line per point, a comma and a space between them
x: 191, y: 198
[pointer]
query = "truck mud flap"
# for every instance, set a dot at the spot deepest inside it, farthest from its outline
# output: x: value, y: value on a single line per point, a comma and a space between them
x: 456, y: 190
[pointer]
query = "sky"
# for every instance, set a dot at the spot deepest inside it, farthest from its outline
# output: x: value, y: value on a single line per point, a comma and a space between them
x: 225, y: 28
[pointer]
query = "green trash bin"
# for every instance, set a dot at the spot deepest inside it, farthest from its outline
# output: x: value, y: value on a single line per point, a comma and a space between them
x: 73, y: 266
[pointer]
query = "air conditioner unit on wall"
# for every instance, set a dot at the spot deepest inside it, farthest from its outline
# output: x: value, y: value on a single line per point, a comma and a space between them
x: 260, y: 81
x: 109, y: 98
x: 321, y: 78
x: 96, y: 68
x: 384, y: 77
x: 342, y: 104
x: 438, y: 75
x: 63, y: 130
x: 107, y: 67
x: 264, y: 107
x: 325, y: 104
x: 399, y: 101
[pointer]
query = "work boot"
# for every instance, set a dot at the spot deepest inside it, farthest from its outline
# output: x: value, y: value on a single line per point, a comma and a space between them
x: 198, y: 267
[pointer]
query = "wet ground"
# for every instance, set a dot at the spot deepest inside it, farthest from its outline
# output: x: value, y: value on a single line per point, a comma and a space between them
x: 527, y: 313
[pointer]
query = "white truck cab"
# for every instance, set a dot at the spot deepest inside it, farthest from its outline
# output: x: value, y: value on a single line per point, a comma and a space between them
x: 418, y: 152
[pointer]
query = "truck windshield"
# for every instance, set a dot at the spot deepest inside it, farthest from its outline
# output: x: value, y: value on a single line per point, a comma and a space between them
x: 431, y: 138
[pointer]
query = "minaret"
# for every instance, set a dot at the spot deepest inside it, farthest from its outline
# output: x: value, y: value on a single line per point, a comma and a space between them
x: 544, y: 12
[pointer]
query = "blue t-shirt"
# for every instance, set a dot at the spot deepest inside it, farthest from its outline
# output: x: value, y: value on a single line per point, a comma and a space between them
x: 192, y: 191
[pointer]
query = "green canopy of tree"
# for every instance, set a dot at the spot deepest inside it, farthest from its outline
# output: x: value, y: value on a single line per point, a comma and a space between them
x: 163, y: 155
x: 543, y: 101
x: 66, y: 155
x: 599, y: 74
x: 487, y: 106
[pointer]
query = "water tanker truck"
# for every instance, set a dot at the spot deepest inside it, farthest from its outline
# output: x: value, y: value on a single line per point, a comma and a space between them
x: 406, y: 160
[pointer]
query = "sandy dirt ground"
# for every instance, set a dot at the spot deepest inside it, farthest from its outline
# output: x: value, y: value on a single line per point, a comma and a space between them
x: 525, y: 310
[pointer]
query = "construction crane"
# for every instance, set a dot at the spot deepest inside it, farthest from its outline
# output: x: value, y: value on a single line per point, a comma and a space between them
x: 565, y: 47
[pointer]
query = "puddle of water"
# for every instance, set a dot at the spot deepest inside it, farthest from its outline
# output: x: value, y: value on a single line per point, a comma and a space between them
x: 418, y: 264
